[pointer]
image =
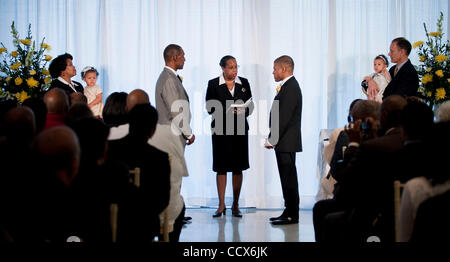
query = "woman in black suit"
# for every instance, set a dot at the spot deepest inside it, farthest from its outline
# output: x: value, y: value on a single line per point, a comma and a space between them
x: 62, y: 70
x: 229, y: 142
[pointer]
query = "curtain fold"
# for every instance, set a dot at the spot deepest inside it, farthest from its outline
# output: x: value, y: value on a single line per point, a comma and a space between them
x: 333, y: 43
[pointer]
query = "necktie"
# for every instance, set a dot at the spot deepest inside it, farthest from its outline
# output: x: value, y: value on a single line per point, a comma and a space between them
x: 395, y: 70
x: 181, y: 79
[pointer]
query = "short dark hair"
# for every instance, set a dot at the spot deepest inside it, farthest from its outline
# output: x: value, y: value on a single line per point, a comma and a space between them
x: 59, y: 64
x: 404, y: 44
x: 285, y: 60
x: 170, y: 51
x: 224, y: 60
x: 143, y: 119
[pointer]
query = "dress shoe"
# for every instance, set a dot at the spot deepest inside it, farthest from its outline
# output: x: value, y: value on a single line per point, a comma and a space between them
x: 219, y: 214
x: 285, y: 221
x: 283, y: 215
x: 187, y: 218
x: 236, y: 213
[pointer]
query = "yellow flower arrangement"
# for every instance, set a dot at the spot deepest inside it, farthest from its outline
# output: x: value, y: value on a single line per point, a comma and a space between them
x: 434, y: 60
x: 23, y: 72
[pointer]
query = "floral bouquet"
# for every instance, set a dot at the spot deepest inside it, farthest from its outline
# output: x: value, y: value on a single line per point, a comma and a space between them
x: 434, y: 70
x: 22, y: 71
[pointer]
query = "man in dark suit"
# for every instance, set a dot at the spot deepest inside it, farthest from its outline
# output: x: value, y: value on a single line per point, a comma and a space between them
x: 405, y: 80
x: 285, y: 136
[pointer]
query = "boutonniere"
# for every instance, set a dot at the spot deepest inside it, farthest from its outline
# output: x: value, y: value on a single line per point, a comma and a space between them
x: 181, y: 78
x: 278, y: 89
x: 243, y: 90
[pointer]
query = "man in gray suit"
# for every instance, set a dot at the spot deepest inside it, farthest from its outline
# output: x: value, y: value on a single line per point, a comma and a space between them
x: 172, y: 101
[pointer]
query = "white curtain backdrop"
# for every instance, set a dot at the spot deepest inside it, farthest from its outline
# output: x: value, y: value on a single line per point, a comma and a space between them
x: 333, y: 43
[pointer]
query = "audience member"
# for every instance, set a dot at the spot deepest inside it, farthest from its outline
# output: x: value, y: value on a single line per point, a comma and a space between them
x: 57, y: 103
x: 78, y: 111
x: 115, y: 115
x: 443, y: 112
x: 56, y: 158
x: 154, y: 188
x: 77, y: 97
x: 434, y: 181
x: 137, y: 97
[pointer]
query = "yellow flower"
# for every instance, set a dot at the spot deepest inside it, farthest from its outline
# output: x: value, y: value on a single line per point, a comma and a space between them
x: 45, y: 72
x: 429, y: 69
x: 417, y: 44
x: 47, y: 80
x: 441, y: 58
x: 440, y: 93
x: 25, y: 41
x: 48, y: 57
x: 14, y: 54
x: 32, y: 72
x: 448, y: 80
x: 15, y: 66
x: 18, y: 81
x: 22, y: 96
x: 429, y: 94
x: 427, y: 78
x: 3, y: 50
x: 278, y: 89
x: 45, y: 46
x: 438, y: 33
x: 422, y: 58
x: 8, y: 78
x: 31, y: 82
x: 439, y: 73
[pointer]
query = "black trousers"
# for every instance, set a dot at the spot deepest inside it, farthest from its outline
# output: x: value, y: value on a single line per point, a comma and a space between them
x: 289, y: 182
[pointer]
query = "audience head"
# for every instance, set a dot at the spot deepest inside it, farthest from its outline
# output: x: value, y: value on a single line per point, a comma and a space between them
x: 56, y: 101
x: 443, y: 112
x: 399, y: 50
x: 57, y: 154
x: 40, y: 111
x: 137, y: 97
x: 438, y: 170
x: 5, y: 106
x: 352, y: 104
x: 114, y: 111
x: 62, y: 66
x: 283, y: 67
x: 174, y: 56
x: 365, y: 108
x: 92, y: 134
x: 78, y: 111
x: 391, y: 110
x: 20, y: 125
x: 417, y: 120
x: 78, y: 97
x: 143, y: 119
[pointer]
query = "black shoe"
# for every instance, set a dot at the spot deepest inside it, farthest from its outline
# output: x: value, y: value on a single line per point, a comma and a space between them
x: 187, y: 218
x: 285, y: 221
x: 283, y: 215
x: 236, y: 214
x: 219, y: 214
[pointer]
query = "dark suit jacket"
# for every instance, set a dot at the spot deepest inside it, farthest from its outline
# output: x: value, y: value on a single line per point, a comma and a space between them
x: 405, y: 83
x: 290, y: 117
x: 221, y: 94
x: 154, y: 191
x: 58, y: 84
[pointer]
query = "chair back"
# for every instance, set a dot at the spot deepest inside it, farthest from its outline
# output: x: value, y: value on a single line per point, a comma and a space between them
x: 135, y: 177
x: 398, y: 188
x: 113, y: 219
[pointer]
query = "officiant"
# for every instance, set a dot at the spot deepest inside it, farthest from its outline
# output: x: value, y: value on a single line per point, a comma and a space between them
x: 228, y: 101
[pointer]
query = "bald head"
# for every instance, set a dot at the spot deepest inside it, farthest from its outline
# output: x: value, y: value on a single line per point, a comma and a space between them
x: 391, y: 110
x: 365, y: 108
x: 20, y: 123
x: 137, y: 97
x: 56, y: 101
x: 58, y: 152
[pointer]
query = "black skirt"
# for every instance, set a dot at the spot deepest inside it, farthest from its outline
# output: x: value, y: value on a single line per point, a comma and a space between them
x: 230, y: 153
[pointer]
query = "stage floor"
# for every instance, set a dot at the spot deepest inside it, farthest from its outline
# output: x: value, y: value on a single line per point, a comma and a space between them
x: 254, y: 226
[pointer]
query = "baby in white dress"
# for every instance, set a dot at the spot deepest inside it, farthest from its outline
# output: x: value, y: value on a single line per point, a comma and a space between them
x: 92, y: 91
x: 380, y: 78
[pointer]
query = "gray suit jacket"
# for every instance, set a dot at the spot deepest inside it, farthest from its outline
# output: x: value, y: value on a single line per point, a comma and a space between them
x: 169, y: 89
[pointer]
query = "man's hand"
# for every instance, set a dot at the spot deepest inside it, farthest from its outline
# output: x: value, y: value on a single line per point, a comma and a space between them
x: 268, y: 145
x: 373, y: 89
x: 190, y: 141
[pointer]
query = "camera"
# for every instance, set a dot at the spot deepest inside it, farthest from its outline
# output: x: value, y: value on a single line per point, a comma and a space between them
x: 365, y: 126
x: 364, y: 85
